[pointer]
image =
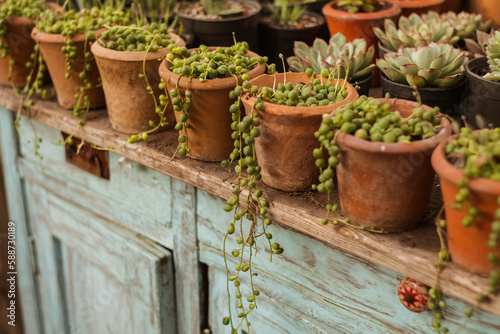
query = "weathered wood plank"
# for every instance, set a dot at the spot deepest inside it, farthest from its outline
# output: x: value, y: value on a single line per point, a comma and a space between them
x: 411, y: 253
x: 26, y: 278
x: 315, y: 288
x: 186, y: 257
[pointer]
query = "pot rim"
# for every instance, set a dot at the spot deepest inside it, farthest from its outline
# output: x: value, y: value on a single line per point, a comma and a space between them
x: 209, y: 84
x: 284, y: 110
x: 461, y: 83
x: 469, y: 72
x: 321, y: 18
x: 448, y: 172
x: 19, y: 20
x: 132, y: 56
x: 39, y: 36
x: 398, y: 148
x: 393, y: 10
x: 255, y: 4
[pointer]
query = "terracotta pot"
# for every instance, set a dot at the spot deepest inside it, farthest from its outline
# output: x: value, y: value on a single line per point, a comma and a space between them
x: 452, y: 5
x: 387, y: 185
x: 131, y: 113
x: 50, y: 46
x: 209, y: 117
x: 468, y: 245
x: 419, y: 6
x: 284, y: 148
x: 360, y: 25
x: 489, y: 9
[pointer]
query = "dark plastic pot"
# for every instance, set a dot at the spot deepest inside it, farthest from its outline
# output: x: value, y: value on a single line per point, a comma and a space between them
x: 364, y: 84
x: 446, y: 98
x: 275, y: 39
x: 314, y: 6
x: 382, y: 50
x: 219, y: 31
x: 481, y: 96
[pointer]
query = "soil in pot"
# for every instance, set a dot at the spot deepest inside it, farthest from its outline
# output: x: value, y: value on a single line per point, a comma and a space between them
x: 209, y: 117
x: 216, y: 29
x: 360, y: 25
x: 131, y: 113
x: 481, y: 99
x: 387, y: 185
x: 284, y: 147
x: 446, y: 98
x: 468, y: 246
x: 66, y: 89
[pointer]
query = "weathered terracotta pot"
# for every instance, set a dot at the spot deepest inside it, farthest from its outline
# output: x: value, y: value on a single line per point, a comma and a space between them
x: 468, y: 245
x: 20, y: 47
x: 387, y: 185
x: 360, y: 25
x: 50, y: 46
x: 489, y: 9
x: 284, y: 148
x: 209, y: 117
x: 452, y: 5
x: 419, y: 6
x: 131, y: 112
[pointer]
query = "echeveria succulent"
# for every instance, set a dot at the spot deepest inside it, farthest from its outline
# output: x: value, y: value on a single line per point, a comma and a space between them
x: 436, y: 65
x: 414, y: 31
x: 337, y: 54
x: 493, y: 54
x: 464, y: 24
x: 359, y: 6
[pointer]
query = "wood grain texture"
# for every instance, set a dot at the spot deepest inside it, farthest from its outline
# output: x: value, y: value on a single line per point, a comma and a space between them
x: 410, y: 253
x: 97, y: 276
x: 316, y: 288
x: 186, y: 257
x: 26, y: 278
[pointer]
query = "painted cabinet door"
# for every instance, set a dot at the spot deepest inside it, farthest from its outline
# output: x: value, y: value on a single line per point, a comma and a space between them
x: 95, y: 276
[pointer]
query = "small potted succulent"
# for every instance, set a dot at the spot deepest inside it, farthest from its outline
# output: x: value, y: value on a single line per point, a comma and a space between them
x: 128, y: 58
x: 199, y: 84
x: 285, y: 25
x: 65, y: 41
x: 380, y: 147
x: 17, y: 20
x: 481, y: 100
x: 351, y: 59
x: 435, y: 71
x: 467, y: 165
x: 357, y: 19
x: 212, y: 21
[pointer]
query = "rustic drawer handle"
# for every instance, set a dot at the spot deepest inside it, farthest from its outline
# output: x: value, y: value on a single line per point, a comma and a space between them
x: 413, y: 295
x: 88, y: 158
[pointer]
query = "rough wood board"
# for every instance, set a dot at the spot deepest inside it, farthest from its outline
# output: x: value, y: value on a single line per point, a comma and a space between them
x: 410, y: 253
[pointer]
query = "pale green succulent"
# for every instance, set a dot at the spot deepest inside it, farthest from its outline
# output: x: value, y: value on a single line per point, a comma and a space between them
x: 436, y: 65
x: 414, y: 31
x: 493, y: 54
x: 337, y: 55
x: 465, y: 24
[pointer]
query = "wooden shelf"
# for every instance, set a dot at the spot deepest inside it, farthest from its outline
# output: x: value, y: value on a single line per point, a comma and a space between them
x: 411, y: 253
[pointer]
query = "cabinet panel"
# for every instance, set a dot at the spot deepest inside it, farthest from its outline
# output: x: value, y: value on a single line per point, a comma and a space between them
x: 95, y: 276
x: 314, y: 288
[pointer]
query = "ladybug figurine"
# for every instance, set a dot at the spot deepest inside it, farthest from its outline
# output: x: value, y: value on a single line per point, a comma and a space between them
x: 413, y: 295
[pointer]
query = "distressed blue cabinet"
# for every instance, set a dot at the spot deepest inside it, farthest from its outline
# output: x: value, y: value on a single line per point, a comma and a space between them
x: 142, y: 251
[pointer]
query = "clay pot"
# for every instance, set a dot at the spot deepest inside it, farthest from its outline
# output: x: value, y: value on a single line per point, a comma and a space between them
x: 468, y: 245
x: 209, y: 117
x: 419, y: 6
x: 360, y: 25
x: 387, y: 185
x: 284, y: 148
x: 452, y: 5
x: 50, y: 46
x: 20, y: 47
x: 131, y: 112
x: 489, y: 9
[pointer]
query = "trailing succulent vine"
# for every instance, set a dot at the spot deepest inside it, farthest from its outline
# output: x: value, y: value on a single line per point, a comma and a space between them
x: 368, y: 119
x: 205, y: 64
x: 144, y: 37
x: 476, y: 155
